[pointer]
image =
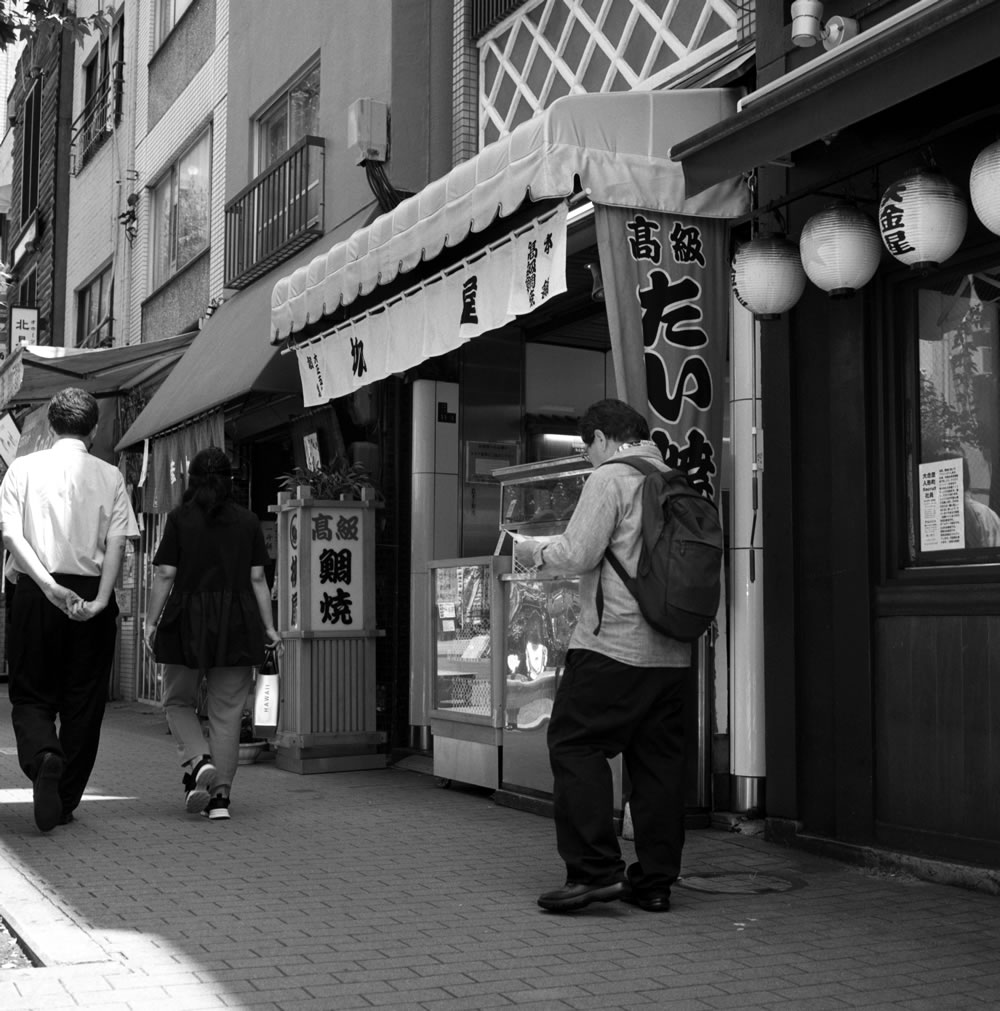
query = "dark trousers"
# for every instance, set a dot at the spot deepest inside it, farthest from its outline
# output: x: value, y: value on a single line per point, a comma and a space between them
x: 59, y: 667
x: 604, y: 708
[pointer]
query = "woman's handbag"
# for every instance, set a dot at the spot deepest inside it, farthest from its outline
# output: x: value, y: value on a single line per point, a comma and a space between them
x: 265, y: 700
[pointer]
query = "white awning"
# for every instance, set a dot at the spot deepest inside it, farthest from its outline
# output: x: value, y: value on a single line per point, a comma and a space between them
x: 615, y: 144
x: 508, y: 278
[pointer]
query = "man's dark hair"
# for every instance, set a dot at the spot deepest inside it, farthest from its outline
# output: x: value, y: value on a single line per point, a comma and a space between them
x: 615, y: 419
x: 210, y: 481
x: 73, y: 412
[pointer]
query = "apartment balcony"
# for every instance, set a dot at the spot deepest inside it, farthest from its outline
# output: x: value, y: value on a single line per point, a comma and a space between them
x: 279, y: 213
x: 99, y: 117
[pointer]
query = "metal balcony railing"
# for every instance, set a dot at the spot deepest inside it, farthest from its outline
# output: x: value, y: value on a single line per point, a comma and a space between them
x: 100, y: 115
x: 279, y: 213
x: 484, y: 14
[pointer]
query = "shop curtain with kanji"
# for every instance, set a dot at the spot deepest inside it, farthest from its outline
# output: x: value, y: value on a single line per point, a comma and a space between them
x: 666, y: 289
x: 169, y: 456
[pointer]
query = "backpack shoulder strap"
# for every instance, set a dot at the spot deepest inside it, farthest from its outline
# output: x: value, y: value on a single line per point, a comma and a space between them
x: 645, y: 467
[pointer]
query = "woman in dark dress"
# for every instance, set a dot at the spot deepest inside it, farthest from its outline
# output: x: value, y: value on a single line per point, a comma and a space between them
x: 210, y: 611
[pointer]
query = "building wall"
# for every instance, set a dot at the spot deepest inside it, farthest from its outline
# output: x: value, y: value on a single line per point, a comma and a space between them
x: 881, y: 673
x: 161, y: 136
x: 99, y: 189
x: 53, y: 62
x: 8, y: 65
x: 421, y: 96
x: 354, y: 52
x: 180, y: 56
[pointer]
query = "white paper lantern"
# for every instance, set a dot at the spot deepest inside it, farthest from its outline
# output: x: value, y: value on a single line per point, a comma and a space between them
x: 767, y: 275
x: 922, y: 218
x: 984, y: 187
x: 840, y: 249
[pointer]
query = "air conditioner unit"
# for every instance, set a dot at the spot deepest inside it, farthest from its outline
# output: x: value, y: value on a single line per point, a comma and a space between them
x: 368, y: 130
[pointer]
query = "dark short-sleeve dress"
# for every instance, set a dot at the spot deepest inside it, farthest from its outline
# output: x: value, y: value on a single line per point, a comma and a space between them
x: 211, y: 618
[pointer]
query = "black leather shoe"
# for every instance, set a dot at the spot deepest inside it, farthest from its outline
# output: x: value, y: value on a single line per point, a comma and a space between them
x: 48, y: 803
x: 651, y: 902
x: 575, y: 896
x: 67, y: 817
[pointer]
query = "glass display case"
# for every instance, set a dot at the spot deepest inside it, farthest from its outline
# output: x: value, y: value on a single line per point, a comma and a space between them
x: 467, y: 623
x: 537, y: 500
x: 541, y: 616
x: 464, y: 621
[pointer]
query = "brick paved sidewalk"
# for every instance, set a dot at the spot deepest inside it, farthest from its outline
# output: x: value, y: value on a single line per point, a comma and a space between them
x: 382, y: 890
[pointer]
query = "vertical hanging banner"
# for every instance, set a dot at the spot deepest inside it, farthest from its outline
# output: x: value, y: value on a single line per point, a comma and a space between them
x: 484, y: 292
x: 666, y: 289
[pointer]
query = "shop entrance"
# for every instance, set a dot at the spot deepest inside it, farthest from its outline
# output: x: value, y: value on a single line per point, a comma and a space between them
x: 521, y: 393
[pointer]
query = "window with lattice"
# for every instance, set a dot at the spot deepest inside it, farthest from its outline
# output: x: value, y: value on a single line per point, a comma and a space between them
x: 550, y: 48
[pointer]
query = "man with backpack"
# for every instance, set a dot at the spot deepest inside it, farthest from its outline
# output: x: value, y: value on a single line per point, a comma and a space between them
x: 622, y: 691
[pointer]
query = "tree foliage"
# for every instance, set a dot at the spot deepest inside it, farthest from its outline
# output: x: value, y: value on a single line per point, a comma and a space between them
x: 40, y: 20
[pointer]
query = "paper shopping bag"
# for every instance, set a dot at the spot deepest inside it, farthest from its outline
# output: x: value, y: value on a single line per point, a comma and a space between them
x: 265, y: 701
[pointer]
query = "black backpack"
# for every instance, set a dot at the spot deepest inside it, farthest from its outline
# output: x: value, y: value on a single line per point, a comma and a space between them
x: 678, y: 581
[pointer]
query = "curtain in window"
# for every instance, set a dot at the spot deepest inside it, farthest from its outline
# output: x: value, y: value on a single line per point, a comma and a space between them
x: 193, y: 210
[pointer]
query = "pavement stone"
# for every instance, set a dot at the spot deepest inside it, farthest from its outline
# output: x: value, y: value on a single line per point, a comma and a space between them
x: 381, y: 889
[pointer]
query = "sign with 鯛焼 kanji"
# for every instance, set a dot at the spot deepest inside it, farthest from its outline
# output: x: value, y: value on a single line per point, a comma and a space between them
x: 333, y: 540
x: 324, y: 562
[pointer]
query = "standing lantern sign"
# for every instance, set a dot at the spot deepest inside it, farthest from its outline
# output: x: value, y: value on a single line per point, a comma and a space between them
x: 326, y: 616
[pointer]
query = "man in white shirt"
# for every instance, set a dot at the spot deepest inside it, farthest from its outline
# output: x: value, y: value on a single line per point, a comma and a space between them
x: 66, y: 517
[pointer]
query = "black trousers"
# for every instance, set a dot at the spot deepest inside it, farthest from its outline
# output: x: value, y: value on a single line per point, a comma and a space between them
x: 59, y: 667
x: 605, y: 708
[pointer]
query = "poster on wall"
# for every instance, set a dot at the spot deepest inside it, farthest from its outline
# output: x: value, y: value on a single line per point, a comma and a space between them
x: 666, y: 289
x: 482, y: 458
x: 310, y: 443
x: 942, y: 513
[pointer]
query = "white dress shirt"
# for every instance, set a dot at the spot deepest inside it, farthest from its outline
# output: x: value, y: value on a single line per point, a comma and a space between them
x: 66, y: 504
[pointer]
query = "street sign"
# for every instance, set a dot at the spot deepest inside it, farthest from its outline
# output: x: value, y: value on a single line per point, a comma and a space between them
x: 23, y: 325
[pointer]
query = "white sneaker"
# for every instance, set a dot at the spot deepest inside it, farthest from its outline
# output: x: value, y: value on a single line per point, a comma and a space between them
x: 196, y: 783
x: 218, y: 808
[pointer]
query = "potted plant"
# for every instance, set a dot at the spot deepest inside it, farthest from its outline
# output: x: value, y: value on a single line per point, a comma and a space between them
x: 250, y: 746
x: 332, y: 481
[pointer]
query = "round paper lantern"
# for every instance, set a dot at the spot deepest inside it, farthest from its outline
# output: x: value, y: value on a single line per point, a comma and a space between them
x: 767, y: 275
x: 984, y: 187
x: 840, y: 249
x: 922, y: 218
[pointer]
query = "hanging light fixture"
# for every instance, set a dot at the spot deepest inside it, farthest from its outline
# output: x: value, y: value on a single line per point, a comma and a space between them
x: 767, y: 275
x: 597, y: 285
x: 984, y: 187
x: 840, y: 249
x: 922, y: 218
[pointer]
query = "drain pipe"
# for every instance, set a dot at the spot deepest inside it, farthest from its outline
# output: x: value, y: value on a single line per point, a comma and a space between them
x: 746, y: 647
